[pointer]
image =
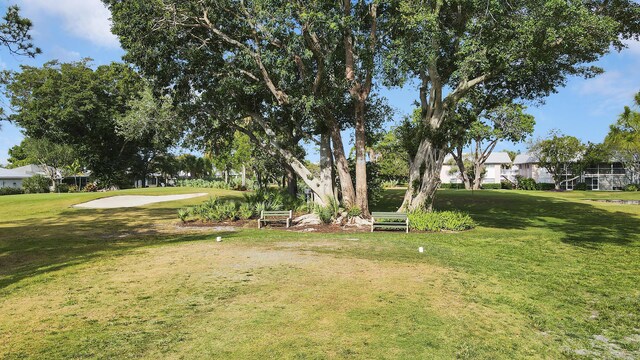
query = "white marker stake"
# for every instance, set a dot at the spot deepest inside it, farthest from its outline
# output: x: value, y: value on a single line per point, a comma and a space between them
x: 420, y: 249
x: 219, y: 238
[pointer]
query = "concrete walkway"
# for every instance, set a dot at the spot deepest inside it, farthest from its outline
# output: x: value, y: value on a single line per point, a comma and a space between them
x: 125, y: 201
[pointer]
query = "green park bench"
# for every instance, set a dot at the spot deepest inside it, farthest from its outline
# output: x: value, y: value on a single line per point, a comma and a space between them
x: 275, y: 216
x: 389, y: 220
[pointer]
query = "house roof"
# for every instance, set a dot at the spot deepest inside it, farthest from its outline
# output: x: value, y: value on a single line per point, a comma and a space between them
x: 12, y: 174
x: 525, y: 158
x: 498, y: 157
x: 30, y: 170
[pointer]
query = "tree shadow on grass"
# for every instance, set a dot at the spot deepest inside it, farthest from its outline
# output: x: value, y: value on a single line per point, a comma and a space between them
x: 578, y: 223
x: 32, y: 247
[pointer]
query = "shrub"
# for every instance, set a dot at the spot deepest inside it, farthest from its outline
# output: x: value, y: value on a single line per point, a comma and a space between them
x: 90, y: 187
x: 274, y: 199
x: 390, y: 184
x: 62, y: 188
x: 506, y: 185
x: 36, y: 184
x: 227, y: 210
x: 203, y: 183
x: 325, y: 213
x: 438, y: 221
x: 183, y: 214
x: 334, y: 206
x: 354, y: 211
x: 259, y: 208
x: 452, y: 186
x: 215, y: 209
x: 491, y: 186
x: 632, y: 187
x: 245, y: 211
x: 545, y: 186
x: 73, y: 189
x: 10, y: 191
x: 526, y: 183
x: 580, y: 186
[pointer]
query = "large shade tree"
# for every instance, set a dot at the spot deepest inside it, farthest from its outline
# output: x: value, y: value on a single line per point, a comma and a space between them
x: 299, y: 70
x: 151, y: 124
x: 74, y: 104
x: 514, y: 50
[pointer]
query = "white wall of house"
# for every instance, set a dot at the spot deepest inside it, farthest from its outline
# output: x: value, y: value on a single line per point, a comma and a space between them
x: 493, y: 167
x: 493, y: 174
x: 11, y: 183
x: 447, y: 178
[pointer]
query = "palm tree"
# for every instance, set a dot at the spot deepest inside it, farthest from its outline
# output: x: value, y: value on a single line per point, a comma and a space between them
x: 74, y: 170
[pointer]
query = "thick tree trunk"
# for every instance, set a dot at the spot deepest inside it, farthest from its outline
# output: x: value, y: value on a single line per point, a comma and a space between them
x: 459, y: 158
x: 324, y: 186
x: 362, y: 200
x: 424, y: 177
x: 477, y: 169
x: 259, y: 179
x: 342, y: 166
x: 359, y: 91
x: 244, y: 176
x: 321, y: 187
x: 145, y: 171
x: 292, y: 183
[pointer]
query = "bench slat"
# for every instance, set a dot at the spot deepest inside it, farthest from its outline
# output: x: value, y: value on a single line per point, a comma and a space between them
x: 275, y: 216
x: 390, y: 220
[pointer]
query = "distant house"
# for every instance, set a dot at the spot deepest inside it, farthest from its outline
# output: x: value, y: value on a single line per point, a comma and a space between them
x: 11, y: 178
x: 604, y: 176
x: 497, y: 167
x: 526, y: 165
x: 14, y: 177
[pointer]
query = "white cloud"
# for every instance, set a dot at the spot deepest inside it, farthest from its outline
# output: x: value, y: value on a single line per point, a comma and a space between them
x: 608, y: 93
x: 64, y: 55
x: 86, y: 19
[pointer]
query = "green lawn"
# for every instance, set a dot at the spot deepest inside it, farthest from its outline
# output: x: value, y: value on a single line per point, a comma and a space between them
x: 545, y: 275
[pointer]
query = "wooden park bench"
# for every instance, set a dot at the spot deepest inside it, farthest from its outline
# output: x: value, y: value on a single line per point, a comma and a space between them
x: 275, y: 216
x: 389, y: 220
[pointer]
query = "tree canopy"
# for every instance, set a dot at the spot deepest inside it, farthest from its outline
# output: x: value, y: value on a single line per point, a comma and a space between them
x: 517, y: 50
x: 560, y: 155
x: 483, y: 130
x: 73, y: 104
x: 624, y: 137
x: 15, y: 33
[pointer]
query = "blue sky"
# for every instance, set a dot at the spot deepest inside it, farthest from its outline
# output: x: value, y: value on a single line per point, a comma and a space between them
x: 70, y: 30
